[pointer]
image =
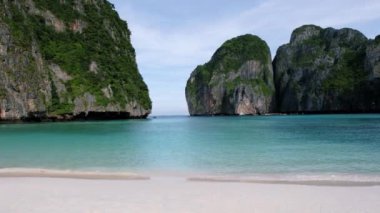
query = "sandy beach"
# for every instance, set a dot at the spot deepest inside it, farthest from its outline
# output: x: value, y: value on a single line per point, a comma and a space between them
x: 110, y: 193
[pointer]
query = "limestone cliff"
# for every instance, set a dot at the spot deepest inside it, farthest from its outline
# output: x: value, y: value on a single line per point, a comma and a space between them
x: 238, y: 80
x: 69, y: 59
x: 372, y: 62
x: 327, y: 71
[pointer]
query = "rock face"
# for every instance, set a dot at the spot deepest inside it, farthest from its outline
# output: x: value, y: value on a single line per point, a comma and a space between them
x: 318, y: 71
x: 327, y: 71
x: 370, y: 95
x: 67, y: 60
x: 373, y: 58
x: 237, y: 81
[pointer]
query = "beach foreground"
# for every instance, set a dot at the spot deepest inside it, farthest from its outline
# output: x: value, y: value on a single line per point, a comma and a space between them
x: 178, y: 194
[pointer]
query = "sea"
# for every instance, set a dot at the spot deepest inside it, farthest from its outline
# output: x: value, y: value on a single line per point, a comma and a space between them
x: 331, y: 147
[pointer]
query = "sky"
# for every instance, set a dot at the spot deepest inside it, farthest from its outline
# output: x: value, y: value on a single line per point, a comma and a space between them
x: 172, y: 37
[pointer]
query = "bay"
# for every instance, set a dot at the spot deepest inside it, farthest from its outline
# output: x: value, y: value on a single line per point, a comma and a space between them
x: 293, y: 144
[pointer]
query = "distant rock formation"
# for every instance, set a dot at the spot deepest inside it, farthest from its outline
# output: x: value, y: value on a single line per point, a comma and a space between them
x: 373, y: 58
x: 327, y: 71
x: 318, y: 71
x: 237, y: 81
x: 64, y: 60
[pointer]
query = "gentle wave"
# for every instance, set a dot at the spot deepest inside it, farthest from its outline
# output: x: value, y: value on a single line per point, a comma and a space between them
x: 31, y: 172
x: 298, y: 179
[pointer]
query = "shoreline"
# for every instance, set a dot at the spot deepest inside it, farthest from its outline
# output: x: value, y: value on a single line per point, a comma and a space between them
x: 148, y: 117
x: 68, y: 174
x: 338, y: 180
x: 327, y: 183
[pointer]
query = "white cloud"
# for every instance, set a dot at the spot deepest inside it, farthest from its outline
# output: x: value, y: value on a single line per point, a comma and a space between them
x: 168, y: 53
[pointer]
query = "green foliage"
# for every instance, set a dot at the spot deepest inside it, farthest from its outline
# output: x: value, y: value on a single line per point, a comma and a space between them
x: 3, y: 93
x: 233, y: 53
x: 303, y: 28
x: 229, y: 58
x: 115, y: 56
x: 377, y: 39
x: 263, y: 87
x: 61, y: 9
x: 258, y: 85
x: 348, y: 73
x: 314, y: 41
x: 17, y: 23
x: 312, y: 48
x: 203, y: 74
x: 56, y: 107
x: 105, y: 40
x: 202, y: 77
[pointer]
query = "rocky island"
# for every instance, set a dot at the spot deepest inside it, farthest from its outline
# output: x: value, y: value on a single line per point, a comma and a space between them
x: 238, y: 80
x: 65, y: 60
x: 327, y: 71
x: 319, y: 71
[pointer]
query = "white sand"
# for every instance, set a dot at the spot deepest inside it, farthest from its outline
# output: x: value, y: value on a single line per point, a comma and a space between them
x: 176, y: 194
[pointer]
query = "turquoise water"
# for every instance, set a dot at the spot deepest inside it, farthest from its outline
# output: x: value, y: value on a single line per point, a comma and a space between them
x: 312, y: 144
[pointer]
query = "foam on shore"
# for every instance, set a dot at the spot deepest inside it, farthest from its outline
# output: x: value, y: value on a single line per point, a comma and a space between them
x: 314, y: 180
x: 292, y: 179
x: 48, y: 173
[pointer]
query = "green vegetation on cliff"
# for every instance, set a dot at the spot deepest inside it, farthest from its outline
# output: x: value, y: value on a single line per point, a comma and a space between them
x: 64, y: 11
x: 237, y: 80
x: 3, y: 93
x: 324, y: 70
x: 230, y: 57
x: 377, y: 39
x: 233, y: 53
x: 348, y: 74
x: 348, y: 70
x: 75, y: 34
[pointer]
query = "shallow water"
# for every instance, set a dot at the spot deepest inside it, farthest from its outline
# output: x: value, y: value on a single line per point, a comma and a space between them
x: 266, y: 145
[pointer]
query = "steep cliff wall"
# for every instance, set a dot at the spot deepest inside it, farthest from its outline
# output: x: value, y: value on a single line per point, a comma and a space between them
x: 67, y: 59
x: 318, y: 71
x: 237, y: 81
x: 327, y: 71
